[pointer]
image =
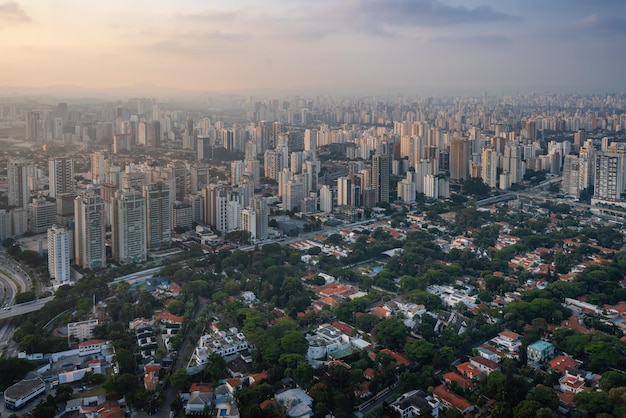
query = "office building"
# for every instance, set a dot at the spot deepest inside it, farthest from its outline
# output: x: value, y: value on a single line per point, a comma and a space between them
x: 128, y: 227
x: 59, y: 254
x: 89, y: 235
x: 61, y: 176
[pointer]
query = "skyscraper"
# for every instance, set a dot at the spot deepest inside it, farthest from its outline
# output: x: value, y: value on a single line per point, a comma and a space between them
x: 344, y: 186
x: 61, y: 176
x: 59, y: 254
x: 459, y: 159
x: 153, y: 137
x: 97, y: 167
x: 326, y: 199
x: 89, y: 239
x: 33, y: 131
x: 380, y: 176
x: 128, y: 226
x: 158, y: 215
x: 609, y: 176
x: 17, y: 179
x: 489, y: 166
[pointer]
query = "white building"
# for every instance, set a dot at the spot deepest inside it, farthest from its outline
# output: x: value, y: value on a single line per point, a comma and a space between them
x: 59, y: 254
x: 326, y: 199
x: 61, y: 176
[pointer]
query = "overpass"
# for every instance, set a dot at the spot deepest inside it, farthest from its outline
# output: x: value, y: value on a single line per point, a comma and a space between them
x: 24, y: 308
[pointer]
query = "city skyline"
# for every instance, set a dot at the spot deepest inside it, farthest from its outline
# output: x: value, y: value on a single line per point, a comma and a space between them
x: 371, y: 46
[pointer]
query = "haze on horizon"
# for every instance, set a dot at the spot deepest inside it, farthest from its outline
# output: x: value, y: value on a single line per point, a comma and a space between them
x: 343, y: 45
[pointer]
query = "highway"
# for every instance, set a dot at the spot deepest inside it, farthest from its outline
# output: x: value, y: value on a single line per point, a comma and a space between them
x: 24, y: 308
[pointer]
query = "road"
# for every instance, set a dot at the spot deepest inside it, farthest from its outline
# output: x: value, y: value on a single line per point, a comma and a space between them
x: 24, y: 308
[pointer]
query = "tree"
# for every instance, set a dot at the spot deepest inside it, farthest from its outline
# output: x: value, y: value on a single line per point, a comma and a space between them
x: 125, y: 360
x: 419, y: 350
x: 526, y: 408
x: 391, y: 333
x: 180, y: 379
x: 593, y: 403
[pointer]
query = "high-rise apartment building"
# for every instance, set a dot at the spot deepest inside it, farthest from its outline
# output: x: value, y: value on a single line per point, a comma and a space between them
x: 97, y: 167
x: 459, y: 159
x: 89, y: 235
x: 61, y: 176
x: 344, y: 186
x: 42, y: 215
x: 128, y: 226
x: 380, y: 176
x: 326, y: 199
x: 158, y: 215
x: 609, y: 176
x: 59, y: 254
x: 17, y: 180
x: 33, y: 130
x: 489, y: 166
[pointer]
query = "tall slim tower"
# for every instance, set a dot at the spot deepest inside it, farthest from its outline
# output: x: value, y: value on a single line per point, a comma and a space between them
x: 97, y: 167
x: 380, y: 176
x: 32, y: 126
x: 59, y: 254
x: 17, y: 179
x: 158, y: 215
x: 128, y: 226
x: 459, y: 159
x: 489, y: 166
x: 609, y: 176
x: 61, y: 175
x: 89, y: 239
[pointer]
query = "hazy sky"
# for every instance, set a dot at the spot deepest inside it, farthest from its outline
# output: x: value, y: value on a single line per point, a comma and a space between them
x: 347, y: 45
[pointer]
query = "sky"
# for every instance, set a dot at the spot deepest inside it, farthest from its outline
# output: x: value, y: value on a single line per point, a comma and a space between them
x: 368, y: 46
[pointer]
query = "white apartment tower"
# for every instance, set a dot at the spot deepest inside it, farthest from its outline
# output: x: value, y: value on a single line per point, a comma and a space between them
x: 326, y: 199
x: 89, y: 239
x: 59, y: 254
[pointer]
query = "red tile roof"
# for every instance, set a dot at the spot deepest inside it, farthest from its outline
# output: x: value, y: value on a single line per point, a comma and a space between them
x: 561, y: 363
x: 168, y: 317
x: 463, y: 383
x: 443, y: 395
x: 90, y: 342
x: 398, y: 358
x: 200, y: 387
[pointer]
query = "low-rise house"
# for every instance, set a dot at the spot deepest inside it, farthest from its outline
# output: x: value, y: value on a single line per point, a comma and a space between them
x: 452, y: 400
x: 484, y: 365
x: 508, y: 341
x: 539, y: 352
x: 416, y: 403
x: 296, y: 402
x: 571, y: 384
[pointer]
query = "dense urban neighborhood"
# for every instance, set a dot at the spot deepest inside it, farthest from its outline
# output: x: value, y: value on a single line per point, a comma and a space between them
x: 314, y: 257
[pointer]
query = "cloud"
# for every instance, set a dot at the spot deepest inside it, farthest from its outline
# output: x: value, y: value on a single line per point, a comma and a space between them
x: 422, y: 13
x: 491, y: 39
x: 12, y: 13
x: 601, y: 25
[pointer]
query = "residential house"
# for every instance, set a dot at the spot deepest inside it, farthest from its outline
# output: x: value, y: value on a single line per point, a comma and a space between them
x: 415, y: 403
